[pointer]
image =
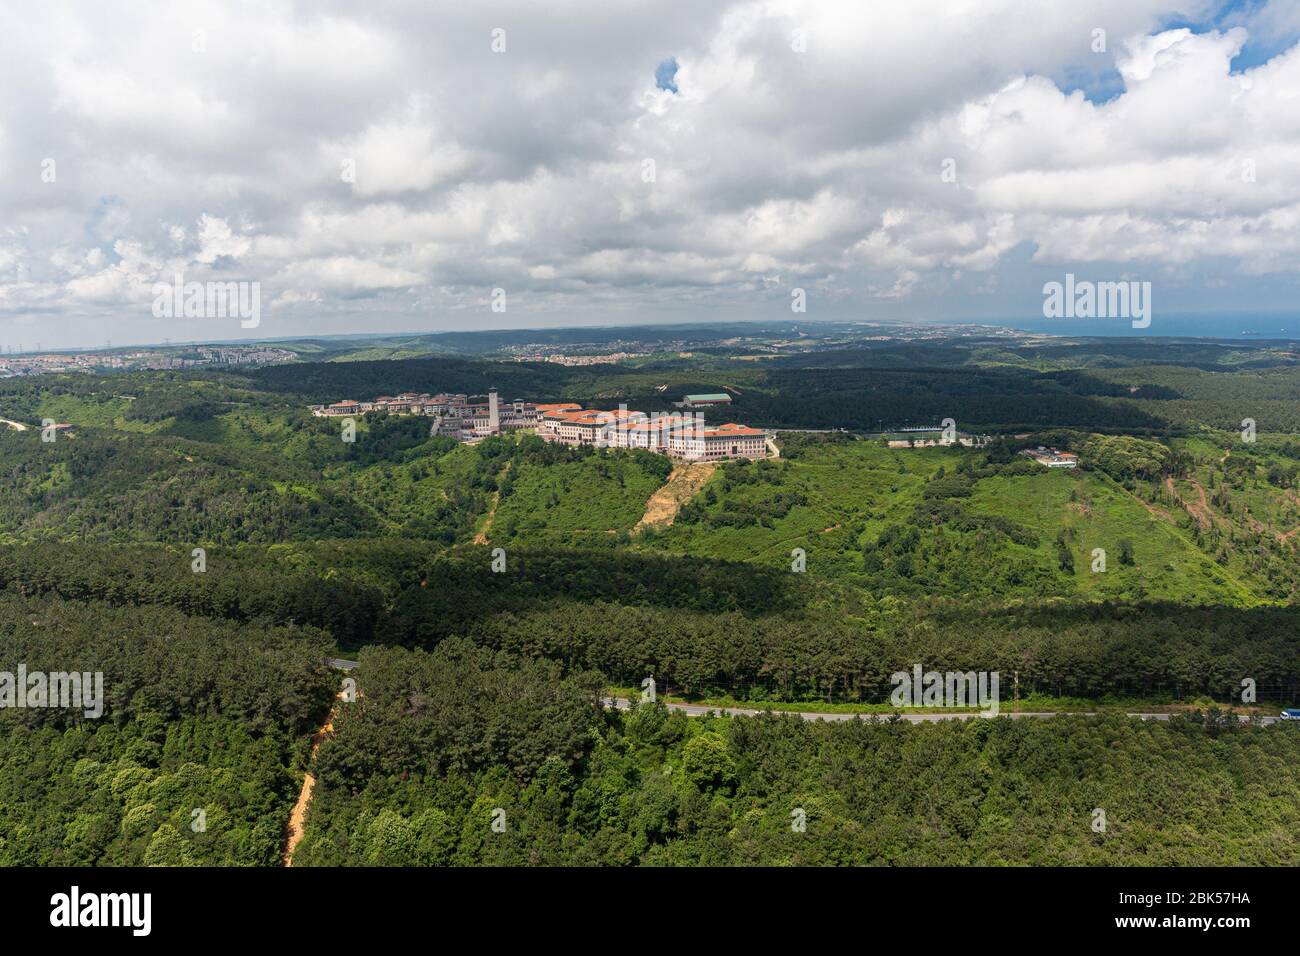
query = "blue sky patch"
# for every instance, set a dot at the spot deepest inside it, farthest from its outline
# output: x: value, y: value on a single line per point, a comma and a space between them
x: 666, y: 75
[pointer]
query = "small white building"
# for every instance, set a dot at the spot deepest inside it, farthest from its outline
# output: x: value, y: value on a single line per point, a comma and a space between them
x: 1051, y: 458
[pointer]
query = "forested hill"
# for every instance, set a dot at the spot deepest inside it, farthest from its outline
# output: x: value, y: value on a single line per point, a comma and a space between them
x: 207, y: 544
x: 445, y: 745
x: 331, y: 381
x: 198, y: 715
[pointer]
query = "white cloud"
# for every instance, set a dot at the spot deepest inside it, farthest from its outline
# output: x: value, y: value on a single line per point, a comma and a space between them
x: 401, y: 153
x: 347, y: 274
x: 524, y: 170
x: 216, y: 240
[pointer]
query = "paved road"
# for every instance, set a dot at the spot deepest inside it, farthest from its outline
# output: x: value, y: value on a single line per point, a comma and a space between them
x: 699, y: 710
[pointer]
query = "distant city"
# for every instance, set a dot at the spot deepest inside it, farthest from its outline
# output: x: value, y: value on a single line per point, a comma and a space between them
x: 14, y: 365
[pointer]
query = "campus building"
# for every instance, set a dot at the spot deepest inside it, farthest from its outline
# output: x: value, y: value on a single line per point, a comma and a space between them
x: 345, y: 407
x: 452, y: 414
x: 678, y: 435
x: 578, y: 426
x: 694, y: 443
x: 467, y: 421
x: 1051, y: 458
x: 706, y: 401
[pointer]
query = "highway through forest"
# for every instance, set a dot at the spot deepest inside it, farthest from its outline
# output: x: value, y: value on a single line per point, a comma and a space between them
x: 700, y: 710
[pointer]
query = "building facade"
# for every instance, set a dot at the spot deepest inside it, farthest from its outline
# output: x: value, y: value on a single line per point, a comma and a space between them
x: 693, y: 443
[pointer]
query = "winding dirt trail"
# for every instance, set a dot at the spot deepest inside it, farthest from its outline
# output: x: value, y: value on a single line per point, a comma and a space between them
x: 1205, y: 515
x: 299, y: 815
x: 682, y: 485
x: 1288, y: 535
x: 1201, y: 510
x: 482, y: 536
x: 1152, y: 510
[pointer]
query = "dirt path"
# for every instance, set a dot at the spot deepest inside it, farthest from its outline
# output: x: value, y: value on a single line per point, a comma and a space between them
x: 933, y: 716
x: 682, y: 485
x: 482, y: 536
x: 1152, y: 509
x: 1204, y: 513
x: 299, y: 815
x: 1288, y: 535
x: 1258, y: 526
x: 16, y: 426
x: 1201, y: 510
x: 1205, y: 516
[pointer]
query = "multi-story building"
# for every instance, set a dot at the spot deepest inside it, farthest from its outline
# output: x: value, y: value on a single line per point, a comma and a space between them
x: 442, y: 403
x: 460, y: 418
x: 345, y: 407
x: 651, y: 434
x: 587, y: 426
x: 694, y: 443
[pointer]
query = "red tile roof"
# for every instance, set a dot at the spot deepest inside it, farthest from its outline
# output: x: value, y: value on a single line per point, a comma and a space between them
x: 731, y: 428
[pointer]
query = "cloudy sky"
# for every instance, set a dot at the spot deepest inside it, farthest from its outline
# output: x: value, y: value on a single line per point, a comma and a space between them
x: 386, y: 166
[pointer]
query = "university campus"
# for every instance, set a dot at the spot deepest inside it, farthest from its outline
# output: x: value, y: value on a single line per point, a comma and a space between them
x: 679, y: 435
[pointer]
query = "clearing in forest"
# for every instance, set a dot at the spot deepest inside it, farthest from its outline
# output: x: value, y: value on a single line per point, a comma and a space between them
x: 682, y: 485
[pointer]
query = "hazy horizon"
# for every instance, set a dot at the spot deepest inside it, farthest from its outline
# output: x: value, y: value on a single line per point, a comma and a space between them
x: 1222, y: 328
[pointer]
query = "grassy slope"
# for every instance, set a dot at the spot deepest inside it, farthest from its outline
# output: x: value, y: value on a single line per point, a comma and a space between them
x: 107, y: 412
x: 1167, y: 564
x: 855, y: 491
x: 571, y: 501
x: 850, y: 490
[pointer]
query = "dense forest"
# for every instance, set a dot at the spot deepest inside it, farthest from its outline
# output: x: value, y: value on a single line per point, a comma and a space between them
x: 192, y: 759
x: 462, y: 758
